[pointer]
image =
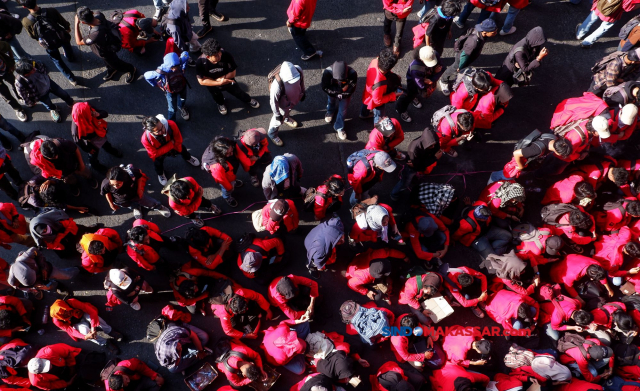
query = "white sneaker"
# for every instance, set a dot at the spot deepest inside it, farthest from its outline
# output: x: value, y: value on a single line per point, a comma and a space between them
x: 137, y: 214
x: 136, y: 306
x: 194, y: 161
x: 456, y: 20
x: 513, y: 30
x: 416, y: 103
x: 164, y: 211
x: 162, y: 179
x: 156, y: 16
x: 342, y: 135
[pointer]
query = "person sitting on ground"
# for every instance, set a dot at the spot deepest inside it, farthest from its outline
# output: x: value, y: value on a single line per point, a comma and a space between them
x: 373, y: 222
x: 321, y: 243
x: 279, y: 217
x: 572, y: 190
x: 32, y: 273
x: 89, y: 132
x: 530, y: 157
x: 281, y: 178
x: 258, y: 258
x: 476, y: 231
x: 180, y: 346
x: 386, y: 136
x: 583, y: 278
x: 617, y: 215
x: 133, y: 374
x: 54, y: 367
x: 328, y: 197
x: 419, y: 351
x: 611, y: 321
x: 618, y: 255
x: 505, y: 200
x: 390, y: 376
x: 220, y: 159
x: 284, y: 345
x: 53, y: 229
x: 513, y: 272
x: 367, y: 171
x: 145, y: 240
x: 513, y: 311
x: 369, y: 273
x: 124, y: 287
x: 575, y: 225
x: 296, y: 296
x: 590, y: 360
x: 464, y: 350
x: 491, y: 106
x: 367, y: 321
x: 619, y: 69
x: 208, y: 246
x: 562, y: 313
x: 241, y: 316
x: 14, y: 317
x: 428, y: 235
x: 622, y: 94
x: 13, y: 368
x: 190, y: 285
x: 40, y: 193
x: 417, y: 290
x: 474, y: 84
x: 252, y: 147
x: 100, y: 249
x: 186, y: 199
x: 241, y: 365
x: 124, y: 186
x: 137, y: 31
x: 13, y: 227
x: 468, y: 287
x: 455, y: 132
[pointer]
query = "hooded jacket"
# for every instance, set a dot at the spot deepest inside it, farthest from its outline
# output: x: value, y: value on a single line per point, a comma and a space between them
x: 531, y: 45
x: 277, y: 300
x: 173, y: 140
x: 283, y: 101
x: 245, y: 153
x: 180, y: 30
x: 187, y: 206
x: 281, y: 344
x: 321, y: 242
x: 503, y: 305
x: 202, y: 259
x: 61, y: 226
x: 135, y: 370
x: 358, y: 270
x: 571, y: 269
x: 112, y: 244
x: 159, y: 76
x: 60, y: 355
x: 28, y: 269
x: 491, y: 106
x: 422, y: 151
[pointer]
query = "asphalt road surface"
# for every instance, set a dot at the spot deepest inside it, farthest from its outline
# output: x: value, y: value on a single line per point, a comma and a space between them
x: 257, y: 38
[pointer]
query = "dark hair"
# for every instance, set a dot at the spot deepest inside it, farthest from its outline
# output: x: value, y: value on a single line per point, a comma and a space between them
x: 238, y: 305
x: 6, y: 319
x: 148, y: 123
x: 137, y: 234
x: 52, y: 194
x: 579, y: 219
x: 210, y: 47
x: 186, y: 289
x: 410, y: 321
x: 524, y: 312
x: 23, y: 67
x: 632, y: 55
x: 95, y: 247
x: 620, y: 176
x: 465, y: 279
x: 623, y: 320
x: 465, y: 121
x: 584, y: 190
x: 253, y: 373
x: 582, y: 317
x: 633, y: 208
x: 633, y: 249
x: 30, y: 4
x: 116, y: 382
x: 450, y: 8
x: 219, y: 146
x: 180, y: 190
x: 49, y: 149
x: 334, y: 186
x: 197, y: 238
x: 563, y: 147
x: 484, y: 211
x: 481, y: 81
x: 596, y: 272
x: 85, y: 14
x: 386, y: 60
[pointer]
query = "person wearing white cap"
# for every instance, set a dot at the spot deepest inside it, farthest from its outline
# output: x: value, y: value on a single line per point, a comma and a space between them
x: 422, y: 76
x: 627, y: 122
x: 285, y: 92
x: 53, y: 367
x: 124, y: 286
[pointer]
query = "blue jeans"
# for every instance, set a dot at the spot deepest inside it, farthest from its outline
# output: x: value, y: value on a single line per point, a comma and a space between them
x: 297, y: 365
x: 438, y: 239
x: 586, y: 26
x: 341, y: 106
x: 594, y: 366
x: 378, y: 112
x: 228, y: 194
x: 466, y: 11
x: 173, y: 99
x: 427, y: 6
x: 54, y: 55
x: 57, y: 91
x: 18, y: 51
x: 518, y: 325
x: 495, y: 241
x: 353, y: 200
x: 511, y: 17
x: 497, y: 176
x: 158, y: 3
x: 406, y: 176
x: 553, y: 334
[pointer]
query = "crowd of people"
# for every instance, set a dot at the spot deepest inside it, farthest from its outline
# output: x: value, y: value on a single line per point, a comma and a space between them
x: 563, y: 288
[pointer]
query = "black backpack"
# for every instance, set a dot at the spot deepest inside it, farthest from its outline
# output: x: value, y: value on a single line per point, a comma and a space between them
x: 221, y: 291
x: 551, y: 213
x: 50, y: 34
x: 111, y: 32
x: 155, y: 328
x: 245, y: 241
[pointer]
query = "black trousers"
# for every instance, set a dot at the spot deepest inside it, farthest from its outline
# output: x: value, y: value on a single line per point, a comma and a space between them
x: 8, y: 78
x: 389, y: 18
x: 300, y: 37
x: 158, y: 164
x: 113, y: 62
x: 451, y: 73
x: 233, y: 89
x: 402, y: 104
x: 264, y: 160
x: 9, y: 170
x: 206, y: 7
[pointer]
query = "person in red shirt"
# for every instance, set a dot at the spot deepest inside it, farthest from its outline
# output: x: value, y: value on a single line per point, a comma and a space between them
x: 208, y: 246
x: 137, y: 31
x: 563, y: 313
x: 617, y: 215
x: 472, y: 224
x: 512, y: 311
x: 468, y: 287
x: 162, y: 138
x: 257, y: 255
x: 15, y: 372
x: 295, y: 296
x: 376, y: 221
x: 242, y: 365
x: 220, y: 159
x: 446, y: 378
x: 618, y: 254
x: 505, y: 200
x: 369, y: 273
x: 13, y: 227
x: 574, y: 268
x: 328, y: 197
x: 591, y: 360
x: 456, y: 131
x: 576, y: 226
x: 395, y: 11
x: 14, y: 316
x: 100, y: 249
x: 457, y: 346
x: 386, y: 136
x: 251, y: 147
x: 284, y: 345
x: 492, y: 105
x: 427, y: 233
x: 418, y: 289
x: 366, y: 172
x: 279, y: 217
x: 145, y: 240
x: 472, y: 89
x: 241, y: 316
x: 572, y: 190
x: 381, y: 86
x: 411, y: 348
x: 186, y: 198
x: 133, y: 373
x: 54, y: 367
x: 299, y: 15
x: 189, y: 285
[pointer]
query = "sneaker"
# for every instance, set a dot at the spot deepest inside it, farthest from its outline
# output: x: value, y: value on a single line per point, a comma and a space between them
x: 185, y: 114
x: 254, y: 181
x: 444, y: 87
x: 215, y: 210
x: 130, y: 76
x: 477, y: 312
x: 315, y: 274
x: 277, y: 141
x: 291, y: 122
x: 93, y: 183
x: 198, y: 223
x: 22, y: 115
x: 194, y: 161
x: 218, y: 16
x: 162, y: 179
x: 308, y: 57
x: 457, y: 22
x: 156, y: 16
x: 405, y: 116
x: 136, y: 306
x: 232, y: 202
x: 137, y: 214
x: 204, y: 31
x: 116, y: 335
x: 342, y: 135
x: 74, y: 82
x: 164, y: 211
x: 254, y: 103
x: 578, y: 28
x: 238, y: 184
x: 328, y: 117
x: 416, y: 103
x: 370, y: 115
x: 396, y: 51
x: 55, y: 116
x: 222, y: 109
x: 511, y: 31
x: 109, y: 75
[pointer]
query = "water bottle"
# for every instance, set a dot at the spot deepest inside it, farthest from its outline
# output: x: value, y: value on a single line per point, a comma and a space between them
x: 45, y: 316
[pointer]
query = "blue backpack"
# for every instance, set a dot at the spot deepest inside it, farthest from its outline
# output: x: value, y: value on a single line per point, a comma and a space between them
x: 616, y: 383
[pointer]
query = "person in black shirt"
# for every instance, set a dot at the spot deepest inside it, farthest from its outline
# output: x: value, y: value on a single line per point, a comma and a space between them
x: 440, y: 25
x: 102, y: 44
x: 65, y: 156
x: 216, y: 70
x: 339, y: 82
x: 124, y: 187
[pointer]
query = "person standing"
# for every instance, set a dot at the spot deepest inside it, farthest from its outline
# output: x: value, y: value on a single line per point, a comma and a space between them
x: 51, y: 30
x: 439, y: 28
x: 216, y: 70
x: 582, y: 29
x: 339, y: 83
x: 395, y: 10
x: 299, y: 15
x: 285, y: 92
x: 34, y: 85
x: 103, y: 43
x: 381, y: 86
x: 422, y: 76
x: 186, y: 198
x: 178, y: 26
x: 9, y: 28
x: 7, y: 66
x: 206, y: 8
x: 170, y: 78
x: 7, y: 168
